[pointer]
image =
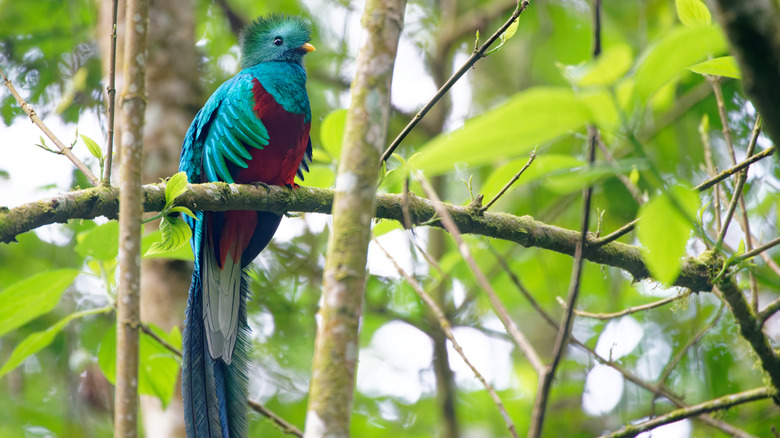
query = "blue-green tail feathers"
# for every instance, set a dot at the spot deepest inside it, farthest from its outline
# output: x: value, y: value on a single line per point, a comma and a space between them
x: 214, y: 393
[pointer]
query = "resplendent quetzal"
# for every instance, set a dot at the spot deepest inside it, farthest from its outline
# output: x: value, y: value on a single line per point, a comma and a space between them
x: 253, y: 129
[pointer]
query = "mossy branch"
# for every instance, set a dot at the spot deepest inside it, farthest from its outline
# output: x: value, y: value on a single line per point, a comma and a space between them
x: 90, y: 203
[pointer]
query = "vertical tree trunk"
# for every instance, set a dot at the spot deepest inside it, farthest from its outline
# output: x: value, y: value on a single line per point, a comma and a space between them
x: 130, y: 209
x: 173, y: 97
x: 336, y: 347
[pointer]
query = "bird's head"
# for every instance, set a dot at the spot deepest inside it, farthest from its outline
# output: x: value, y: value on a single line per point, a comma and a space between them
x: 275, y: 38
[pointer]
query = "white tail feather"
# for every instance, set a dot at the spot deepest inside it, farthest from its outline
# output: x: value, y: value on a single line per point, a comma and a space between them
x: 221, y: 300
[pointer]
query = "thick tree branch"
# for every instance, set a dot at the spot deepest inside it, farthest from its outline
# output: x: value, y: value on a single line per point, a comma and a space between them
x: 750, y: 327
x: 524, y: 230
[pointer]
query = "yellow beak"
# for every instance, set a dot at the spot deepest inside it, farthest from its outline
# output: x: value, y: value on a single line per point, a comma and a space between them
x: 308, y: 47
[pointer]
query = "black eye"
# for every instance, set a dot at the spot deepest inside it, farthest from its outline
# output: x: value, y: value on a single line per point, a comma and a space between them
x: 278, y: 41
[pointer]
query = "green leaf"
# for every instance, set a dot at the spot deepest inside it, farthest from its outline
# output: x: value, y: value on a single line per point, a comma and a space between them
x: 332, y: 132
x: 693, y: 13
x: 176, y: 185
x: 509, y: 33
x: 93, y: 147
x: 513, y: 129
x: 663, y: 231
x: 610, y: 66
x: 673, y: 54
x: 40, y: 340
x: 32, y: 297
x: 724, y: 66
x: 183, y: 210
x: 183, y: 253
x: 542, y: 167
x: 158, y: 367
x: 175, y: 235
x: 101, y: 242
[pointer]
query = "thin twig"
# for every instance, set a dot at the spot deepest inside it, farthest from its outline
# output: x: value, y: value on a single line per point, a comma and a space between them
x: 257, y: 407
x: 564, y: 329
x: 624, y: 312
x: 620, y: 232
x: 655, y: 389
x: 717, y: 404
x: 711, y: 171
x: 111, y: 90
x: 517, y: 336
x: 38, y: 122
x: 632, y: 188
x: 283, y: 425
x: 755, y: 251
x: 447, y: 330
x: 768, y: 311
x: 521, y: 288
x: 475, y: 56
x: 511, y: 181
x: 732, y: 207
x: 146, y: 329
x: 693, y: 341
x: 732, y: 170
x: 745, y: 219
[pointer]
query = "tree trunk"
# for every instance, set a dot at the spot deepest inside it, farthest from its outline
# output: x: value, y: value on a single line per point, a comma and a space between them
x: 173, y: 97
x: 344, y: 279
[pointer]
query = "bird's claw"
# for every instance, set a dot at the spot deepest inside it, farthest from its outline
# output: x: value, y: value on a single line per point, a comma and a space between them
x: 263, y: 185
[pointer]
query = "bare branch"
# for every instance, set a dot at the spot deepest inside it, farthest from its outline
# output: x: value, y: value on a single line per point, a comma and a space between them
x: 478, y: 53
x: 111, y: 90
x: 446, y: 329
x: 38, y: 122
x: 717, y: 404
x: 627, y: 311
x: 510, y: 182
x: 517, y: 336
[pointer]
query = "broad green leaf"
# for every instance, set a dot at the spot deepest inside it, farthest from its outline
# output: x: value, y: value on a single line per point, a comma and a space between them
x: 158, y: 367
x: 724, y: 66
x: 183, y: 210
x: 332, y: 132
x: 176, y: 185
x: 693, y: 13
x: 175, y: 235
x: 101, y: 242
x: 32, y: 297
x: 663, y: 231
x: 183, y: 253
x: 513, y: 129
x: 610, y: 66
x: 673, y: 54
x: 93, y: 147
x: 40, y: 340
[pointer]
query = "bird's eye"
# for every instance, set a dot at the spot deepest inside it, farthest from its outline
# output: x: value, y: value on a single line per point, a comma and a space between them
x: 278, y: 41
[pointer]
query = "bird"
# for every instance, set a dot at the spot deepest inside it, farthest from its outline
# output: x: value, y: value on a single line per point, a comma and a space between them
x: 254, y: 129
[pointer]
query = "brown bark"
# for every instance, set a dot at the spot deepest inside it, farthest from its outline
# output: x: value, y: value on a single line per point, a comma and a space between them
x: 130, y: 209
x: 336, y: 346
x: 173, y: 97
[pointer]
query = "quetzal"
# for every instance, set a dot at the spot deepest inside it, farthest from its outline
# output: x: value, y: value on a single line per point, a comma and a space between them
x: 253, y: 129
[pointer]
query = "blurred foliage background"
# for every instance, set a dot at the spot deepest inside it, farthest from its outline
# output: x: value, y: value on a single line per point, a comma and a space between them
x: 539, y: 91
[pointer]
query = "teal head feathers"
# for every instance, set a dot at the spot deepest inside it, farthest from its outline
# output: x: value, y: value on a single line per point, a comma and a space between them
x: 275, y: 38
